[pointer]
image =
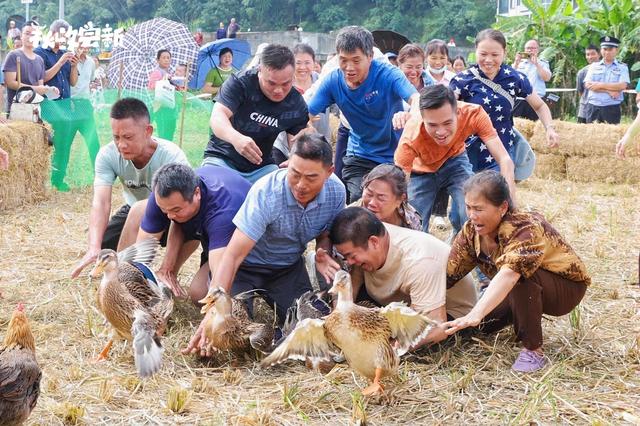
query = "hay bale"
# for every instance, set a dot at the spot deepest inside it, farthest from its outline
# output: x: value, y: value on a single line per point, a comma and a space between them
x: 524, y: 126
x: 551, y: 166
x: 29, y: 163
x: 608, y: 169
x: 583, y: 140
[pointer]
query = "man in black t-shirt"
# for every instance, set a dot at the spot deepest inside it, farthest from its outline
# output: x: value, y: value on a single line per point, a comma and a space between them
x: 251, y: 109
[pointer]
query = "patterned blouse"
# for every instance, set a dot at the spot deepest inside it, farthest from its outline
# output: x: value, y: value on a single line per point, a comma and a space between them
x: 410, y: 217
x: 469, y: 89
x: 526, y: 242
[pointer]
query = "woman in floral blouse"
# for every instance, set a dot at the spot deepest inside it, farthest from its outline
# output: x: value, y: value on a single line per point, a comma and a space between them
x: 533, y: 270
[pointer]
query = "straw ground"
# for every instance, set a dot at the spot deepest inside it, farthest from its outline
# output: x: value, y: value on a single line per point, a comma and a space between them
x: 594, y: 377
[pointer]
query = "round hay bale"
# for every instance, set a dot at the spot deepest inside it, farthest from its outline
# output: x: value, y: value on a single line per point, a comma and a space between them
x: 26, y: 179
x: 609, y: 170
x: 582, y: 140
x: 551, y: 166
x: 524, y: 126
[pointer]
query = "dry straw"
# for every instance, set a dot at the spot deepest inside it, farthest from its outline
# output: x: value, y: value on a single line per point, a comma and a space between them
x: 551, y: 166
x: 525, y: 127
x: 580, y: 140
x: 594, y: 169
x: 593, y: 377
x: 26, y: 180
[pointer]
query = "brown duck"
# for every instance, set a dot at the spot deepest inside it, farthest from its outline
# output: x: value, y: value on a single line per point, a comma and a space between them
x: 228, y: 327
x: 134, y: 301
x: 19, y: 371
x: 365, y: 336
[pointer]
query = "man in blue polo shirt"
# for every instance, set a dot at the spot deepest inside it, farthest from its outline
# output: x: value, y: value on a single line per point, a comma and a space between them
x: 368, y: 93
x: 61, y: 72
x: 282, y: 213
x: 605, y: 80
x: 200, y: 205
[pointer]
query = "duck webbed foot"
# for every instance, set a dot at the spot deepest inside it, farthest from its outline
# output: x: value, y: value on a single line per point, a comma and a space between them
x: 375, y: 387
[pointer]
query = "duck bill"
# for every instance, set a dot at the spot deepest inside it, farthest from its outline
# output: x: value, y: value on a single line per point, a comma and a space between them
x: 97, y: 270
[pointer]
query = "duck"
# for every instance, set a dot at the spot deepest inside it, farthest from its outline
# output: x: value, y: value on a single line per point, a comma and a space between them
x: 310, y: 304
x: 135, y: 302
x: 227, y: 326
x: 371, y: 340
x: 20, y: 374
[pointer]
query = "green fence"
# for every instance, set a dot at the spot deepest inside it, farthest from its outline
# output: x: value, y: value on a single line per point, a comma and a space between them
x: 65, y: 114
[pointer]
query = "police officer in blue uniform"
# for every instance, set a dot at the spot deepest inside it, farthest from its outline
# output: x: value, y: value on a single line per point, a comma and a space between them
x: 605, y: 81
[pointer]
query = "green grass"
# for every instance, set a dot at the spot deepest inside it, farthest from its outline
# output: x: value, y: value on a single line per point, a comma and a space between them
x: 195, y: 138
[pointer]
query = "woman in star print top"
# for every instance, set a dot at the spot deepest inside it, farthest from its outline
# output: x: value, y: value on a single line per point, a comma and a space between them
x: 490, y: 54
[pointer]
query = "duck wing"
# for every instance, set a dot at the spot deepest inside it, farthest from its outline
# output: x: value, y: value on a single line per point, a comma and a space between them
x: 136, y: 283
x: 308, y: 340
x: 143, y: 252
x: 408, y: 327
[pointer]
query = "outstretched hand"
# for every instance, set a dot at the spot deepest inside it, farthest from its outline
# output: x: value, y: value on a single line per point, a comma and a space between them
x: 169, y: 277
x: 198, y: 342
x: 89, y: 258
x: 461, y: 323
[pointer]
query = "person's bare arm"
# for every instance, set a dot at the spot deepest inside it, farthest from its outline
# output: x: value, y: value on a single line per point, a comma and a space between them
x: 436, y: 334
x: 507, y: 168
x: 544, y: 113
x: 496, y: 292
x: 51, y: 72
x: 221, y: 126
x: 325, y: 264
x: 167, y: 271
x: 630, y: 135
x: 98, y: 219
x: 73, y: 76
x: 210, y: 88
x: 11, y: 81
x: 238, y: 248
x: 598, y: 86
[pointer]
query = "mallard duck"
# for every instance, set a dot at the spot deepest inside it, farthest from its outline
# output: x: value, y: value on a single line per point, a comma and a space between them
x: 365, y: 336
x: 134, y: 301
x: 309, y: 305
x: 228, y: 326
x: 19, y: 371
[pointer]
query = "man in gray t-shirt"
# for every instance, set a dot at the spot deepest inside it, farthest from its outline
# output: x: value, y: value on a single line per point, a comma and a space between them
x: 132, y: 157
x: 592, y: 54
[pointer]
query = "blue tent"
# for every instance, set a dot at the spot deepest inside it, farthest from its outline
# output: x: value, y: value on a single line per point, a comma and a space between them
x: 208, y: 58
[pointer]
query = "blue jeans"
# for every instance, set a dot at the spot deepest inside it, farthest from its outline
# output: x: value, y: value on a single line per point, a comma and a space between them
x: 424, y: 187
x: 250, y: 176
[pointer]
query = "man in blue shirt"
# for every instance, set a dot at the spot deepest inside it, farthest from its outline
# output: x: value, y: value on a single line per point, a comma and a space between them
x: 61, y: 72
x: 199, y: 205
x: 605, y: 81
x: 368, y: 93
x: 282, y: 213
x: 537, y: 72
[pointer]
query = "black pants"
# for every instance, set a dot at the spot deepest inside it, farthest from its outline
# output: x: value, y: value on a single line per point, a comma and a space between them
x: 341, y: 148
x: 114, y: 228
x: 523, y: 109
x: 283, y: 285
x: 353, y: 172
x: 605, y: 114
x: 441, y: 203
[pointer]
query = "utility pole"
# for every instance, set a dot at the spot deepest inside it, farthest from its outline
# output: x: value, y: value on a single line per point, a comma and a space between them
x: 61, y: 9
